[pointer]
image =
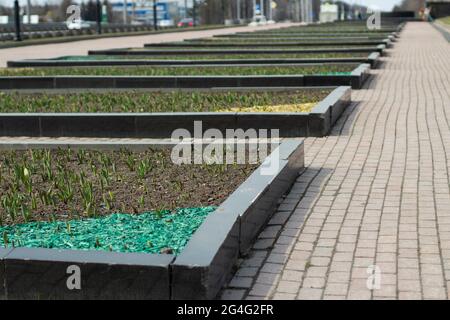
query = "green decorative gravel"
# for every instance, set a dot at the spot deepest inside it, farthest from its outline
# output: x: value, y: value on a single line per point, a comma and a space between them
x: 183, y: 71
x: 152, y: 232
x: 287, y: 49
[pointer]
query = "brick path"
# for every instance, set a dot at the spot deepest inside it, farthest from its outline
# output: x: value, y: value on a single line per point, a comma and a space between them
x: 82, y: 47
x: 376, y: 191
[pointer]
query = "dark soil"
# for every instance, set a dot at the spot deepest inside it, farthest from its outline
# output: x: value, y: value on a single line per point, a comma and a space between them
x: 43, y: 185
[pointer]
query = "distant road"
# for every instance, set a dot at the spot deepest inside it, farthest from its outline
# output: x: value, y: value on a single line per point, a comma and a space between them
x: 82, y: 47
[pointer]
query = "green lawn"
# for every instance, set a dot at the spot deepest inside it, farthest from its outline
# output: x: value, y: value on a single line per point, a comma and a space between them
x: 219, y: 56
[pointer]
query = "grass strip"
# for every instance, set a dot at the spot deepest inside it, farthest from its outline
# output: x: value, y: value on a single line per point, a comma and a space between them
x: 158, y: 101
x: 182, y: 70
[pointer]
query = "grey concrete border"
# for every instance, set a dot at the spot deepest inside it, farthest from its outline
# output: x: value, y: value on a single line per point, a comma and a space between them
x: 381, y: 48
x: 374, y: 59
x: 38, y: 273
x: 327, y: 112
x: 302, y: 37
x: 3, y: 253
x: 355, y: 80
x: 331, y: 31
x: 206, y: 263
x: 135, y: 82
x: 305, y: 35
x: 360, y: 75
x: 161, y: 52
x: 161, y: 125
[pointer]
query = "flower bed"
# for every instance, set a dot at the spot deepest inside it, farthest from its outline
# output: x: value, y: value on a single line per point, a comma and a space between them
x: 189, y: 60
x: 330, y: 69
x: 265, y: 114
x: 186, y: 77
x: 336, y: 29
x: 64, y: 199
x: 281, y: 35
x: 199, y: 271
x: 339, y: 43
x: 234, y: 51
x: 222, y: 57
x: 300, y: 100
x: 284, y: 38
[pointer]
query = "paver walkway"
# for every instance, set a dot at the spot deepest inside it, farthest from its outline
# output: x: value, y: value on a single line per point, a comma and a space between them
x: 82, y: 47
x: 375, y: 192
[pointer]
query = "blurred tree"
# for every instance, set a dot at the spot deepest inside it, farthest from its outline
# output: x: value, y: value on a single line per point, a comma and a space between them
x: 410, y: 5
x: 61, y: 14
x: 89, y: 11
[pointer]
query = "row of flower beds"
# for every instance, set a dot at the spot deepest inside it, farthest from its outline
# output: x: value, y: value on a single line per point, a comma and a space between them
x: 135, y: 223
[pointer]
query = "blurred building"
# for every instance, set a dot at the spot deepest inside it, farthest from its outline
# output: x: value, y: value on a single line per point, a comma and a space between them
x: 439, y: 8
x: 141, y: 11
x: 340, y: 11
x: 329, y: 12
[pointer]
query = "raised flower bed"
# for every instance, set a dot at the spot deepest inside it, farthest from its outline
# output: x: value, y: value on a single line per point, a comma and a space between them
x: 300, y: 37
x: 218, y: 100
x: 230, y: 51
x: 295, y: 112
x: 304, y: 35
x: 265, y: 43
x: 256, y: 70
x: 128, y: 267
x: 207, y: 76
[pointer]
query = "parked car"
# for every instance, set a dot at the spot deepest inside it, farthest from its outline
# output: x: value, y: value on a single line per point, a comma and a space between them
x: 78, y: 24
x: 186, y: 22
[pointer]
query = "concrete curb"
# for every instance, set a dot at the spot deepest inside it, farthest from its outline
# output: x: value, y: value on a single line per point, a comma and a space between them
x: 445, y: 32
x: 205, y: 265
x: 272, y: 44
x: 37, y: 273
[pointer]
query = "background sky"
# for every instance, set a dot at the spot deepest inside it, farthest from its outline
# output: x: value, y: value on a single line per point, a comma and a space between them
x: 385, y: 5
